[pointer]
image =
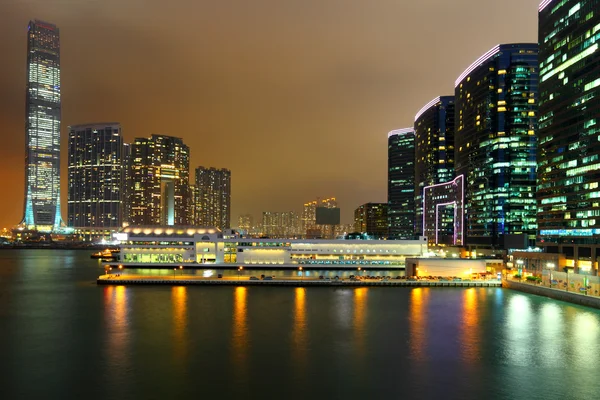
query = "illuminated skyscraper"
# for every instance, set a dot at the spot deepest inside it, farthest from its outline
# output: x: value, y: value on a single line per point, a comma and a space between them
x: 569, y: 151
x: 372, y: 219
x: 495, y: 145
x: 401, y: 183
x: 42, y: 128
x: 434, y: 153
x: 159, y: 181
x: 95, y: 176
x: 213, y: 198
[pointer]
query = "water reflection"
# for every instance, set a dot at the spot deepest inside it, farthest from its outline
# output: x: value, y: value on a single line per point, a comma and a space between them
x: 471, y: 336
x: 239, y: 335
x: 300, y: 328
x: 418, y: 322
x: 518, y: 330
x: 117, y: 320
x: 585, y: 339
x: 360, y: 316
x: 551, y: 321
x: 179, y: 301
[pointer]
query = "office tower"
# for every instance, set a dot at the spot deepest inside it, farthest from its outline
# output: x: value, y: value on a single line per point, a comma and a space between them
x: 568, y: 154
x: 401, y: 183
x: 95, y: 176
x: 191, y: 207
x: 372, y: 219
x: 213, y: 200
x: 159, y: 181
x: 42, y: 129
x: 434, y: 153
x: 496, y: 102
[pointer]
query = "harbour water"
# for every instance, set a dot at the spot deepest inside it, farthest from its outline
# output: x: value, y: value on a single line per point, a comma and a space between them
x: 63, y: 336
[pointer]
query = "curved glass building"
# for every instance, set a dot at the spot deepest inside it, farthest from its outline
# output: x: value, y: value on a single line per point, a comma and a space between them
x: 495, y: 145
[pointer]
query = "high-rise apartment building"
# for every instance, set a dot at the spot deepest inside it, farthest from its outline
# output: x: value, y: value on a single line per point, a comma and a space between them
x: 159, y: 181
x: 213, y: 198
x: 568, y: 154
x: 372, y: 219
x: 434, y: 152
x: 245, y: 223
x: 42, y: 128
x: 95, y: 176
x: 280, y: 224
x: 496, y: 102
x: 401, y: 183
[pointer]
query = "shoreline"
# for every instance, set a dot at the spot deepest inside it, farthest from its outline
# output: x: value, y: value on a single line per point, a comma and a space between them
x: 193, y: 281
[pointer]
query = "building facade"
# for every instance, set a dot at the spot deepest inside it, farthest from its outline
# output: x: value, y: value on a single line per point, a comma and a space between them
x: 434, y: 149
x: 401, y: 183
x: 95, y: 176
x: 213, y: 197
x: 372, y: 219
x: 158, y: 181
x: 569, y: 165
x: 496, y: 102
x: 42, y: 129
x: 195, y: 247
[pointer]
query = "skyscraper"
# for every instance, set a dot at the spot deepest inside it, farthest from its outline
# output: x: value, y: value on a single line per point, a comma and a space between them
x: 568, y: 171
x: 95, y: 176
x: 496, y: 102
x: 372, y: 219
x: 213, y: 201
x: 158, y: 181
x: 42, y: 128
x: 401, y: 183
x: 434, y: 152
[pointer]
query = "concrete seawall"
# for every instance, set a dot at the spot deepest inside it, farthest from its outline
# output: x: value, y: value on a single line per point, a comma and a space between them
x: 104, y: 280
x: 575, y: 298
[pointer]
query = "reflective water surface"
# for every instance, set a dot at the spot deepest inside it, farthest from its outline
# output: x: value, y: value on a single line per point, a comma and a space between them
x: 61, y: 336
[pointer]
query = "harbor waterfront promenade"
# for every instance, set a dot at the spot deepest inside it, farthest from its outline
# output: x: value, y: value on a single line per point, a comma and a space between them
x: 118, y: 279
x: 554, y: 292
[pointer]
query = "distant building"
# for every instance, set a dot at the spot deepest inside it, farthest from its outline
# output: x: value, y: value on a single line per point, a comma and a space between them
x: 245, y: 223
x: 159, y: 181
x: 280, y: 224
x: 42, y: 129
x: 496, y: 102
x: 568, y: 190
x: 95, y: 163
x: 213, y: 199
x: 434, y: 152
x: 372, y: 219
x: 401, y: 183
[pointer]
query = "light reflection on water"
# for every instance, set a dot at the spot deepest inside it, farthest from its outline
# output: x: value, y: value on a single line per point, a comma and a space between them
x: 59, y: 335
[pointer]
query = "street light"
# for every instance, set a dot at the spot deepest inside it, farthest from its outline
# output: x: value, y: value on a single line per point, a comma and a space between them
x: 301, y: 274
x: 181, y: 269
x: 174, y: 269
x: 240, y: 271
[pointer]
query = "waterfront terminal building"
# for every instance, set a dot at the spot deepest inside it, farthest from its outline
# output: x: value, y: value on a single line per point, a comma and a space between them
x: 199, y: 247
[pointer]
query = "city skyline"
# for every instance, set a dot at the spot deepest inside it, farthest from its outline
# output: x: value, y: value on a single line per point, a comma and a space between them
x: 342, y: 66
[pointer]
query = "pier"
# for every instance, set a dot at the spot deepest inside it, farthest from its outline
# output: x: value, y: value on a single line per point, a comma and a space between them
x: 234, y: 281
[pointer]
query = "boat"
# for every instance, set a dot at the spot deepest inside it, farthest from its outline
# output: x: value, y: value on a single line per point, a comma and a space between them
x: 106, y: 254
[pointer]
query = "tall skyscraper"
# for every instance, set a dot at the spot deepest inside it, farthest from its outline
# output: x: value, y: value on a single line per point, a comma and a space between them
x: 213, y: 201
x: 496, y: 102
x: 279, y: 224
x: 568, y: 154
x: 372, y: 219
x: 434, y: 152
x: 245, y: 223
x: 401, y: 183
x: 159, y: 181
x: 42, y: 129
x: 95, y: 176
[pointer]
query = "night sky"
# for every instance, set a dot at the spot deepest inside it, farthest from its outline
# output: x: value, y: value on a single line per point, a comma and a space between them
x: 295, y: 97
